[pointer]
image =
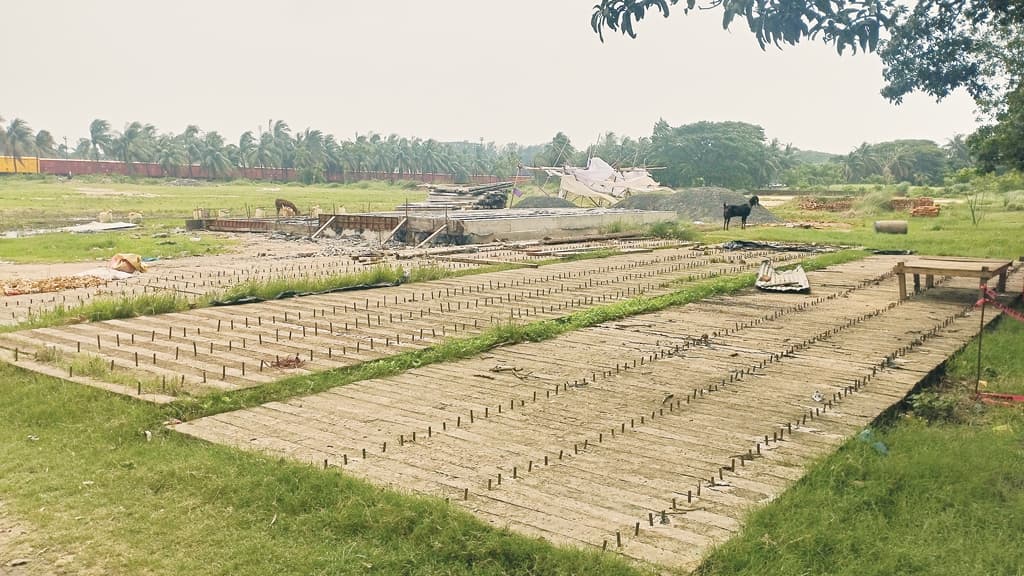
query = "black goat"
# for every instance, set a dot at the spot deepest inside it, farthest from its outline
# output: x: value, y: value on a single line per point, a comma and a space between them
x: 729, y: 211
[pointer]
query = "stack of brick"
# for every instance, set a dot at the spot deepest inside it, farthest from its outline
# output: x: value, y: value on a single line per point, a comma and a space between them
x: 932, y: 210
x: 908, y: 204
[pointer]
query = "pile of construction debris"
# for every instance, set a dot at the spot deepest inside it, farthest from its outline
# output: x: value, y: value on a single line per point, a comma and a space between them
x: 486, y: 197
x: 18, y: 286
x: 812, y: 204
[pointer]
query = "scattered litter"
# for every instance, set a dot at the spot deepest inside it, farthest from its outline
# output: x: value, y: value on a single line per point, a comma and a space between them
x: 149, y: 436
x: 868, y: 437
x: 778, y: 246
x: 817, y: 396
x: 772, y: 280
x: 288, y: 362
x: 33, y: 437
x: 129, y: 263
x: 18, y: 562
x: 100, y: 227
x: 172, y: 422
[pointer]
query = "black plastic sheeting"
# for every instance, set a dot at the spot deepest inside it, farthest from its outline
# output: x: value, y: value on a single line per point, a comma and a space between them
x: 779, y: 246
x: 893, y: 252
x: 293, y: 293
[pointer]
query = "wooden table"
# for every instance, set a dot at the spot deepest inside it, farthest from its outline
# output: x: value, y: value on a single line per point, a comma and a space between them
x: 983, y: 269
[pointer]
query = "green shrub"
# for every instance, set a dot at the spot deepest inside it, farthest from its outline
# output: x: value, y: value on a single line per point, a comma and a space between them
x: 674, y: 230
x: 935, y: 406
x: 875, y: 202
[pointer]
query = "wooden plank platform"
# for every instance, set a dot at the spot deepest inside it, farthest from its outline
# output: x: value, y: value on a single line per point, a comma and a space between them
x: 931, y: 266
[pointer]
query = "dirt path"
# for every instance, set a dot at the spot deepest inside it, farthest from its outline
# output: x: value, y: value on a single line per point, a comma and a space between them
x: 652, y: 436
x: 19, y: 557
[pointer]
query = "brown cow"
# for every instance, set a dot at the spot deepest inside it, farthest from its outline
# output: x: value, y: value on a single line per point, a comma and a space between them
x: 281, y: 203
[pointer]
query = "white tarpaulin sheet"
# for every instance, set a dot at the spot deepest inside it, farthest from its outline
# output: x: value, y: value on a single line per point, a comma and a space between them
x: 599, y: 181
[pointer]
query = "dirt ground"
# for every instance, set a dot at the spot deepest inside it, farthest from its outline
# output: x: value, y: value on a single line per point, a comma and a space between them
x: 19, y: 557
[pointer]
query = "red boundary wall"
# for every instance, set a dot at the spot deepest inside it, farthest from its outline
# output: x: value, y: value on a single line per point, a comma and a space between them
x: 62, y: 167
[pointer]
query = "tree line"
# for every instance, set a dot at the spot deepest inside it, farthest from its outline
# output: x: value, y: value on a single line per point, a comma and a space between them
x: 727, y: 154
x: 310, y: 155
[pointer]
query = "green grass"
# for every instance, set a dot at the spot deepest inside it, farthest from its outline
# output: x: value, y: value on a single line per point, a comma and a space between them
x: 100, y: 246
x: 42, y: 202
x: 1002, y: 359
x: 951, y: 234
x: 77, y: 471
x: 948, y: 499
x: 270, y: 289
x: 105, y: 309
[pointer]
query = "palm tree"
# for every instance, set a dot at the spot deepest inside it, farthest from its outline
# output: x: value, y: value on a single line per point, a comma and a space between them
x: 169, y: 153
x: 193, y: 147
x: 44, y: 144
x: 99, y: 138
x: 133, y: 143
x: 957, y: 153
x: 213, y: 156
x: 83, y: 149
x: 18, y: 139
x: 265, y: 153
x: 284, y: 147
x: 246, y: 149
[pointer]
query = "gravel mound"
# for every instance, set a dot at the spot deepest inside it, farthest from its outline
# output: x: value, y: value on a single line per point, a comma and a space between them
x: 698, y: 205
x: 544, y: 202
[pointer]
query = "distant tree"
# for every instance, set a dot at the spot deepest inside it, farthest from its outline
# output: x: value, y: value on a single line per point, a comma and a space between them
x: 246, y: 149
x: 18, y: 139
x: 99, y: 138
x: 193, y: 146
x: 958, y: 154
x: 169, y: 154
x: 44, y: 145
x: 1000, y: 146
x: 265, y: 153
x: 133, y: 145
x: 212, y: 156
x: 729, y: 154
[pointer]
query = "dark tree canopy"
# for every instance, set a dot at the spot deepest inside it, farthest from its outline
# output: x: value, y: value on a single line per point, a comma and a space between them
x: 1000, y: 146
x: 936, y: 46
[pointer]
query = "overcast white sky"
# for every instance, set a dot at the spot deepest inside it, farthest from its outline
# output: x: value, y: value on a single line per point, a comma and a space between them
x: 502, y: 70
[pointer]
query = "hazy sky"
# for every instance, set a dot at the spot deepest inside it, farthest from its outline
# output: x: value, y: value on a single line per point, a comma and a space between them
x: 502, y: 70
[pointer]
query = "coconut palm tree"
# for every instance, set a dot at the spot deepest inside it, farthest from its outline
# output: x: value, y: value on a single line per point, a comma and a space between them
x: 246, y: 149
x: 213, y: 156
x: 193, y: 146
x: 169, y: 153
x: 99, y: 138
x: 284, y: 146
x: 133, y: 145
x: 18, y: 139
x: 265, y: 153
x: 45, y: 145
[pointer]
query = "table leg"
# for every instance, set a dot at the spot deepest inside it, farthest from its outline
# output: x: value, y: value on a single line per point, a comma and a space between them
x: 902, y: 278
x: 929, y: 281
x: 917, y: 283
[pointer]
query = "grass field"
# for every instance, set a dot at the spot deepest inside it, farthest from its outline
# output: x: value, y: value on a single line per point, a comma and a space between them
x: 31, y: 202
x: 76, y: 466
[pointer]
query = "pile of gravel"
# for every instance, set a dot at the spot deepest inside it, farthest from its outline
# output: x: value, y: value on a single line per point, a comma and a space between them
x: 544, y: 202
x: 698, y: 205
